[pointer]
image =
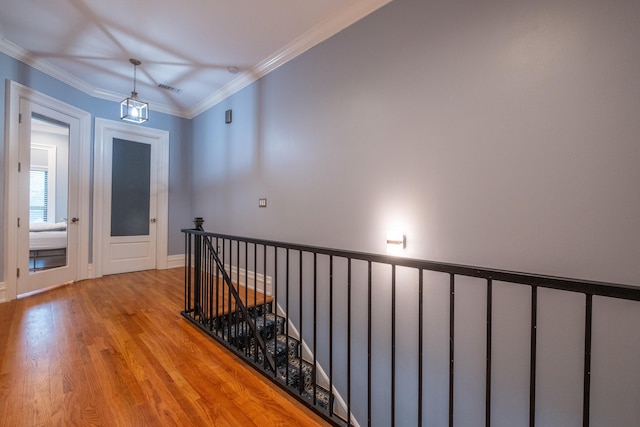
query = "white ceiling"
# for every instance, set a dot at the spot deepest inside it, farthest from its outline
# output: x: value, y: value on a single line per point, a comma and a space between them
x: 188, y: 45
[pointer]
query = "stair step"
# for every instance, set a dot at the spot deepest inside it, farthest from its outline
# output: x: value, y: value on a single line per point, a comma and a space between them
x: 282, y: 349
x: 291, y: 369
x: 224, y: 319
x: 270, y: 325
x: 292, y: 373
x: 292, y: 378
x: 324, y: 399
x: 239, y: 334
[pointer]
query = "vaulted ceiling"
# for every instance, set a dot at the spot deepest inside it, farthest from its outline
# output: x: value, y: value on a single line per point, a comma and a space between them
x: 194, y: 53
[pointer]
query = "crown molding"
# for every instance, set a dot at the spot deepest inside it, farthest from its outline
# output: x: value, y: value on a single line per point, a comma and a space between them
x: 337, y: 22
x: 33, y: 61
x: 340, y: 20
x: 26, y: 57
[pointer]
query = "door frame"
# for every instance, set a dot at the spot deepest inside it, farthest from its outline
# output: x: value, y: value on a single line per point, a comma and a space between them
x: 16, y: 92
x: 161, y: 140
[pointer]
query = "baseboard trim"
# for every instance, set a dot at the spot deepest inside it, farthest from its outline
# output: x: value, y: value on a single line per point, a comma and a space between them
x: 175, y: 261
x: 3, y: 292
x: 250, y: 279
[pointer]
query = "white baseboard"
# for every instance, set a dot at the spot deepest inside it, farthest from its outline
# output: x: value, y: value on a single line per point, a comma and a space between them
x: 3, y: 292
x: 256, y: 281
x: 175, y: 261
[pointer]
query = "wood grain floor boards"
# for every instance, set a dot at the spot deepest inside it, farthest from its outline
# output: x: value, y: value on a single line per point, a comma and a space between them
x: 115, y: 351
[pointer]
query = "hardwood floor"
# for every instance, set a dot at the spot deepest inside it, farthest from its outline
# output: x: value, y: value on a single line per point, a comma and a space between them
x: 115, y: 351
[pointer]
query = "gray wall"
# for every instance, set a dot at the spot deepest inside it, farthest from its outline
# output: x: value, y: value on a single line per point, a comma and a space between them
x: 498, y: 133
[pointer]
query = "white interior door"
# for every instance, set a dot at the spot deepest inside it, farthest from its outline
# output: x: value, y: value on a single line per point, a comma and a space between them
x: 131, y: 167
x: 130, y: 209
x: 32, y: 115
x: 47, y: 197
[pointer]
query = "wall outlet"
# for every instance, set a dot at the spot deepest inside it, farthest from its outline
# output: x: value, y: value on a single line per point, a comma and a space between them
x: 262, y: 203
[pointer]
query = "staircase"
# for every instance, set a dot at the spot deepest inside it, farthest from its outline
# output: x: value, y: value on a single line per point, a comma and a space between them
x: 227, y: 323
x: 295, y: 373
x: 239, y: 314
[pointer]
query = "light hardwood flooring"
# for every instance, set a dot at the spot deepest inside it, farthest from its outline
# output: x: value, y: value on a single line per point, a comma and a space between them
x: 115, y: 351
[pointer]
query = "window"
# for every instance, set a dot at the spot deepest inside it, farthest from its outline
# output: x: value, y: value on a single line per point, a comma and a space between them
x: 39, y: 195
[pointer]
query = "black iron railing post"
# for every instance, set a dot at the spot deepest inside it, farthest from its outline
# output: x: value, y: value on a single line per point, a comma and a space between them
x: 197, y: 267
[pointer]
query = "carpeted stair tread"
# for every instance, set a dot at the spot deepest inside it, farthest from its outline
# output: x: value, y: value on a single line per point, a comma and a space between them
x: 323, y: 397
x: 282, y: 349
x: 291, y: 369
x: 238, y: 333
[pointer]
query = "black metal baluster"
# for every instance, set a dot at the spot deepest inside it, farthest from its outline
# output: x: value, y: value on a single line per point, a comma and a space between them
x: 187, y: 272
x: 255, y: 279
x: 255, y: 293
x: 369, y: 347
x: 532, y: 374
x: 224, y: 288
x: 286, y: 366
x: 331, y: 326
x: 315, y: 320
x: 217, y: 285
x: 452, y: 291
x: 301, y: 305
x: 393, y: 344
x: 274, y: 309
x: 420, y: 341
x: 247, y: 346
x: 488, y: 354
x: 264, y: 276
x: 233, y: 305
x: 211, y: 288
x: 349, y: 341
x: 587, y: 360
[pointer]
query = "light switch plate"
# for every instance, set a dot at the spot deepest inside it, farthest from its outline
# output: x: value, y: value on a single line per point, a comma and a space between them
x: 262, y: 203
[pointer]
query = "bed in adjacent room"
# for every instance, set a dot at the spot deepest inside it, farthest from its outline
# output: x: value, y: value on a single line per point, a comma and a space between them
x: 47, y: 245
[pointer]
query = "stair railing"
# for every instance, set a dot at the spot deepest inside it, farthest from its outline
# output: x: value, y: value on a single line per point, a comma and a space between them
x: 205, y: 282
x: 354, y: 314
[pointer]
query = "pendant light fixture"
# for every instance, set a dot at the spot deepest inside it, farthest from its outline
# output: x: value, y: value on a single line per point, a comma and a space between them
x: 132, y: 109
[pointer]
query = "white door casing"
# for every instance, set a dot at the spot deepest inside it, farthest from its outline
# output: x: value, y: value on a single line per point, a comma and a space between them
x: 121, y: 254
x: 23, y: 100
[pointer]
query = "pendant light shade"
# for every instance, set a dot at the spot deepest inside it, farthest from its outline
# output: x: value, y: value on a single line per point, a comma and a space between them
x: 131, y: 108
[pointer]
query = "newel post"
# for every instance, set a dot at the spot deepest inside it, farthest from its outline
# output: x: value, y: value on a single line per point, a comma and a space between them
x: 198, y: 221
x: 197, y: 277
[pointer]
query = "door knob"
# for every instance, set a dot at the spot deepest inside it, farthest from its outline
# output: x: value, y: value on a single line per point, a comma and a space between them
x: 152, y: 220
x: 74, y: 220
